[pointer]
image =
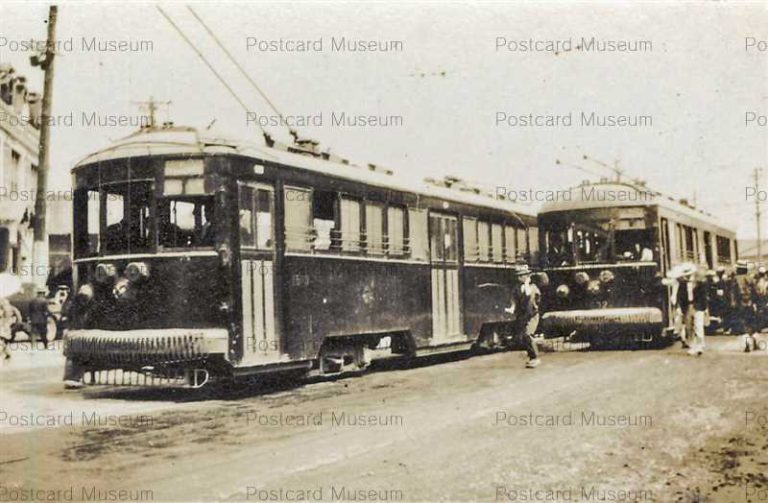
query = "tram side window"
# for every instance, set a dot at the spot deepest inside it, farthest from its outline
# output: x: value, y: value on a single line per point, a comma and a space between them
x: 442, y: 233
x: 324, y: 219
x: 497, y: 245
x: 522, y: 245
x: 374, y: 228
x: 395, y: 231
x: 471, y: 251
x: 350, y: 224
x: 256, y: 218
x: 484, y: 241
x: 417, y: 232
x: 509, y: 244
x: 265, y: 205
x: 298, y: 212
x: 723, y: 250
x: 87, y: 226
x: 247, y: 224
x: 533, y: 242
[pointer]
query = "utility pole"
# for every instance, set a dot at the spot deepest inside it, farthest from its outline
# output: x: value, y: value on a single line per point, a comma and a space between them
x: 757, y: 218
x: 40, y: 245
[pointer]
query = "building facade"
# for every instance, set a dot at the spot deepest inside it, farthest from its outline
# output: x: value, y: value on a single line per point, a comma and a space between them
x: 20, y: 112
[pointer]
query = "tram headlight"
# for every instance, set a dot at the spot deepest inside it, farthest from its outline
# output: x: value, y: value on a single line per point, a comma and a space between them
x: 137, y: 271
x: 581, y: 278
x: 563, y: 291
x: 593, y: 287
x: 606, y: 276
x: 85, y: 293
x: 105, y: 273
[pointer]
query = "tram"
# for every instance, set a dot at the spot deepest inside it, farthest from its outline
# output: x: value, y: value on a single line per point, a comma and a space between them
x: 607, y: 247
x: 199, y: 258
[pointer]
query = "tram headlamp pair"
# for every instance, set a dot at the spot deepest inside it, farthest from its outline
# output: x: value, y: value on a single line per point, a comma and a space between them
x: 134, y: 272
x: 137, y: 271
x: 105, y: 273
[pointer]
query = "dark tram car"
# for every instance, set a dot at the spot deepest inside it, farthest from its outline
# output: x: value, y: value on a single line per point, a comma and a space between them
x: 606, y: 248
x: 198, y: 258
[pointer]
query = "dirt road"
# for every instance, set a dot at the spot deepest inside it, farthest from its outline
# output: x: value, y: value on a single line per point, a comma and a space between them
x: 585, y: 426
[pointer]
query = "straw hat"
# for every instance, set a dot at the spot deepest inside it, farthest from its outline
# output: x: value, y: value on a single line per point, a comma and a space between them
x: 682, y: 270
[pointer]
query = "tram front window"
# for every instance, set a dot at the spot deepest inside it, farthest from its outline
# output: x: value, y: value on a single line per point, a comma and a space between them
x: 185, y: 222
x: 634, y: 245
x: 126, y: 209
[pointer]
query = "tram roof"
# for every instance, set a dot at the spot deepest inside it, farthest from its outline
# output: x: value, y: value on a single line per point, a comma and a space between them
x: 622, y: 194
x: 183, y: 141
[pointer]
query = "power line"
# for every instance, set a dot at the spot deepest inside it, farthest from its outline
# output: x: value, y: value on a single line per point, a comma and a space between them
x: 238, y: 65
x: 210, y: 67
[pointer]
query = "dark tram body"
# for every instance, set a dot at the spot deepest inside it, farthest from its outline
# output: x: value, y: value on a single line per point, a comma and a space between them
x: 200, y: 257
x: 606, y: 251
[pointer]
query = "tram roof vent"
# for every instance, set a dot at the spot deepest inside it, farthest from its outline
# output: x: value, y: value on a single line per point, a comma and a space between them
x: 379, y: 169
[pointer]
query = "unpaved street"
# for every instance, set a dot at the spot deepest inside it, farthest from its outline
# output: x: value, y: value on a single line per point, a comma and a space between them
x: 585, y: 426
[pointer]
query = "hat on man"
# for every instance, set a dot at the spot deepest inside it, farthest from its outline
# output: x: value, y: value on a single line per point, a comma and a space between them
x: 523, y: 270
x: 682, y: 270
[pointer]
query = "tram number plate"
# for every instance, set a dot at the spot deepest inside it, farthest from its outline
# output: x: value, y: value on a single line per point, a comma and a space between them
x: 300, y: 280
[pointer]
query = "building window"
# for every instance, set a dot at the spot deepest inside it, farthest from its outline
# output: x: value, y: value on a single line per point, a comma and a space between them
x: 15, y: 171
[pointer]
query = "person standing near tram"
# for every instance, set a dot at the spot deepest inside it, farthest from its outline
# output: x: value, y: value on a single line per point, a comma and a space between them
x: 526, y: 297
x: 691, y: 300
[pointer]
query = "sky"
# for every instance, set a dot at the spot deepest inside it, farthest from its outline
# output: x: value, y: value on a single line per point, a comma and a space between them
x: 451, y: 82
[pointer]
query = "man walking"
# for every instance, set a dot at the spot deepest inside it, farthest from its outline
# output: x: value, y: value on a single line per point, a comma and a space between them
x: 692, y: 299
x: 38, y: 317
x: 525, y: 306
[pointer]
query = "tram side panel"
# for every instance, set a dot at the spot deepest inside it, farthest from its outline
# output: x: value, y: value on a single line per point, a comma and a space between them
x: 487, y: 291
x: 330, y: 297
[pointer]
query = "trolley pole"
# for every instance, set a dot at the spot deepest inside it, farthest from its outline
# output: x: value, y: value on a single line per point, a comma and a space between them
x: 757, y: 218
x: 40, y: 244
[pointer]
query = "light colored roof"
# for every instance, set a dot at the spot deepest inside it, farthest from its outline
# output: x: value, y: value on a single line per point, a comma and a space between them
x: 621, y: 194
x: 190, y: 141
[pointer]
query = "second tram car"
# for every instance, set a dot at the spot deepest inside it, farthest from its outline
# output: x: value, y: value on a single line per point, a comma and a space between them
x: 606, y: 248
x: 199, y: 257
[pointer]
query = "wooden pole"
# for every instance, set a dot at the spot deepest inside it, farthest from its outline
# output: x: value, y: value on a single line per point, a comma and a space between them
x: 40, y: 245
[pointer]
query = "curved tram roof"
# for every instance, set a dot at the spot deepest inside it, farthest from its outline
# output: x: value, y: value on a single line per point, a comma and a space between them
x: 188, y: 141
x: 624, y: 195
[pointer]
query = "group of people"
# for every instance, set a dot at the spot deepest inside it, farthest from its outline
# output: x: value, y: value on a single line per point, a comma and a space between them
x: 11, y: 318
x: 738, y: 300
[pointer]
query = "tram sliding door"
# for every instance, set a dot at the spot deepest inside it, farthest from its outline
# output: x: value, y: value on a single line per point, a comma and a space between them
x: 446, y: 307
x: 261, y: 342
